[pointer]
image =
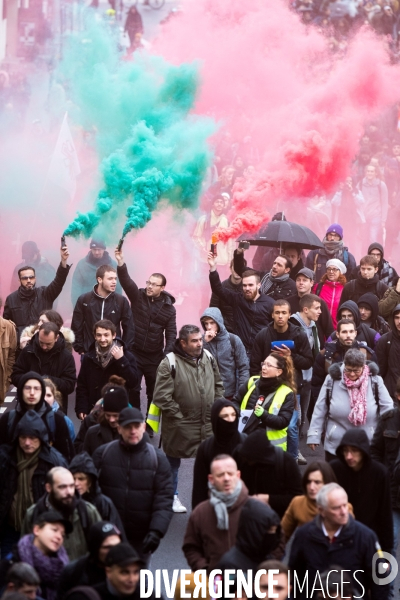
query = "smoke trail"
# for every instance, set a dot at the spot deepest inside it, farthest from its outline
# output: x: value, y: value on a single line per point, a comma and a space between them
x: 151, y: 147
x: 276, y: 81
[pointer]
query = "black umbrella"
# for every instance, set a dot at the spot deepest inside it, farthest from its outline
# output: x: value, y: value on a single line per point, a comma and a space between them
x: 278, y: 233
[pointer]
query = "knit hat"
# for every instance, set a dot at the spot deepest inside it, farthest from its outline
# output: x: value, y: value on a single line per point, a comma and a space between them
x: 335, y: 228
x: 307, y: 273
x: 115, y: 400
x: 335, y: 262
x: 123, y: 555
x: 96, y: 243
x: 375, y: 246
x: 98, y: 532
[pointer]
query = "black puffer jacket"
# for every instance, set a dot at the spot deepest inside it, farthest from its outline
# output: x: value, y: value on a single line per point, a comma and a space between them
x: 226, y: 309
x: 301, y: 354
x: 48, y: 458
x: 92, y: 377
x: 83, y: 463
x: 98, y: 435
x: 249, y: 317
x: 139, y: 484
x: 154, y: 318
x: 264, y: 472
x: 377, y: 512
x: 58, y: 435
x: 58, y: 364
x: 91, y: 308
x: 224, y: 440
x: 25, y: 308
x: 385, y: 448
x: 388, y: 356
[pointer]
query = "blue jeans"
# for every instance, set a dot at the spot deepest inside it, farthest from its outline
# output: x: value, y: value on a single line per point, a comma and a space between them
x: 175, y: 463
x: 293, y: 432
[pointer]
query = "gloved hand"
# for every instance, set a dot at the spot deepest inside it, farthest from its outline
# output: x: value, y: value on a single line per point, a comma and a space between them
x: 151, y: 542
x: 258, y: 411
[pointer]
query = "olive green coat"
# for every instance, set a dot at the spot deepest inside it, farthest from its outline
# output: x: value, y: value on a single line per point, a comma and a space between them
x: 185, y: 402
x: 387, y: 303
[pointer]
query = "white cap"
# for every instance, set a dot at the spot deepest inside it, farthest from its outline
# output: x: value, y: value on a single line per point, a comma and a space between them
x: 335, y: 262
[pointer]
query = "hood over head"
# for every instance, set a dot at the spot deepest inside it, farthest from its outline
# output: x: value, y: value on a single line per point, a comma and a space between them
x: 393, y: 326
x: 33, y: 426
x: 223, y: 429
x: 372, y: 301
x: 98, y: 532
x: 214, y: 313
x: 257, y: 449
x: 354, y: 437
x: 22, y: 382
x: 253, y: 539
x: 83, y: 463
x: 353, y: 308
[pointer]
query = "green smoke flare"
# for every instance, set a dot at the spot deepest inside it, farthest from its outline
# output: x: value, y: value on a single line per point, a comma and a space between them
x: 151, y: 147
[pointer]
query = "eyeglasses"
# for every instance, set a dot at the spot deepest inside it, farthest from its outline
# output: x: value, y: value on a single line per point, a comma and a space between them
x: 268, y: 365
x: 151, y: 284
x: 358, y: 370
x: 331, y: 269
x: 28, y: 388
x: 26, y: 277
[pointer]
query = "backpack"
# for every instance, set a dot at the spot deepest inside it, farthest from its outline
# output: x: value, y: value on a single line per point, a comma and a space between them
x: 329, y: 389
x: 50, y: 423
x: 172, y: 361
x: 345, y: 260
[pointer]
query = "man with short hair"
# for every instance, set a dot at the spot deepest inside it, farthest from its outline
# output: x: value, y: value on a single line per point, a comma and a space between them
x: 184, y: 392
x: 84, y: 276
x: 251, y: 309
x: 107, y: 356
x: 24, y: 306
x: 358, y: 473
x: 123, y: 566
x: 333, y: 248
x: 47, y: 355
x: 155, y: 324
x: 388, y: 353
x: 276, y: 584
x: 335, y: 538
x: 276, y: 283
x: 212, y: 526
x: 367, y: 281
x: 294, y: 255
x: 304, y: 285
x: 137, y: 478
x: 102, y: 302
x: 23, y: 579
x: 386, y: 273
x: 61, y: 496
x: 234, y: 284
x: 31, y: 256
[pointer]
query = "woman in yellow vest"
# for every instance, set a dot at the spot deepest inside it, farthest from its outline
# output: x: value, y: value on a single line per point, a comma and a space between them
x: 271, y: 398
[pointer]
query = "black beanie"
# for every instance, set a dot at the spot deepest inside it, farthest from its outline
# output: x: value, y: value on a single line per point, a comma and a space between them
x: 98, y: 533
x: 115, y: 400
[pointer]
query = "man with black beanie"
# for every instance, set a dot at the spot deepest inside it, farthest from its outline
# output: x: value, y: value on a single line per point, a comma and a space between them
x: 114, y: 400
x: 89, y: 570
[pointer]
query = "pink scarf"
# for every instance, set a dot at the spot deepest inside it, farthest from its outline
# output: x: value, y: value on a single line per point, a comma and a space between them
x: 358, y: 397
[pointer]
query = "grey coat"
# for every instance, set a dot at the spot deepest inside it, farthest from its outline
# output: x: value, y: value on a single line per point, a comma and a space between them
x: 337, y: 422
x: 230, y: 354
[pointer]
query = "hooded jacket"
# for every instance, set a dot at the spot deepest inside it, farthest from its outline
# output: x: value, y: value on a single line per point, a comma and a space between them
x: 388, y: 355
x: 154, y: 318
x: 386, y: 273
x: 24, y: 307
x: 204, y: 544
x: 336, y: 422
x: 354, y: 289
x: 58, y: 364
x: 92, y: 377
x: 224, y: 440
x: 229, y: 352
x: 140, y: 486
x: 385, y: 448
x: 377, y: 322
x: 324, y: 323
x: 29, y: 332
x: 90, y: 308
x: 253, y: 542
x: 264, y: 472
x: 99, y: 434
x: 29, y: 424
x: 365, y: 333
x: 58, y: 436
x: 83, y: 463
x: 185, y: 401
x: 368, y: 488
x: 84, y: 277
x: 226, y: 309
x: 249, y: 317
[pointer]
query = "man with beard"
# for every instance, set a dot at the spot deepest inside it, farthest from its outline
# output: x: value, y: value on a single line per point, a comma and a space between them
x: 275, y: 283
x: 62, y: 497
x: 333, y: 248
x: 31, y: 255
x: 84, y: 277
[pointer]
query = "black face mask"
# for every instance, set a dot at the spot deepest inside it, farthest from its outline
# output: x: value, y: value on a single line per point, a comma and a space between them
x: 65, y: 509
x: 225, y: 430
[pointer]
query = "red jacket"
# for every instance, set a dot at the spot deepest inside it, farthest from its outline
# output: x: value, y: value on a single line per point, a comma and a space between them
x: 331, y: 292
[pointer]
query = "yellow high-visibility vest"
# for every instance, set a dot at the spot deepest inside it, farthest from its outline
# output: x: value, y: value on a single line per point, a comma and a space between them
x: 277, y: 437
x: 154, y: 417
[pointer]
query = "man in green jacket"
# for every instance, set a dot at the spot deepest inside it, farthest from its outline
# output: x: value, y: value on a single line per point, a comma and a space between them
x: 187, y: 383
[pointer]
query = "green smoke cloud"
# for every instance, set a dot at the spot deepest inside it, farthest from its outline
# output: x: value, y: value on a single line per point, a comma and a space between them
x: 151, y: 147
